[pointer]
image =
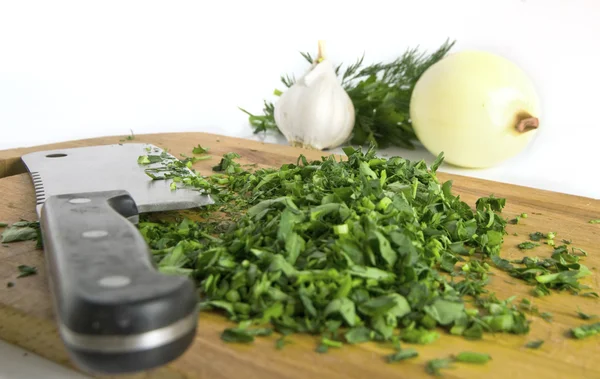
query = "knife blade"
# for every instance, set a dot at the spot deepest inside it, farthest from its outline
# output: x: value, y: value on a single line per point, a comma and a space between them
x: 116, y: 313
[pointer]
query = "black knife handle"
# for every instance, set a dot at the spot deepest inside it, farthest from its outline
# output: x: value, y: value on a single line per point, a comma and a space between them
x: 116, y: 312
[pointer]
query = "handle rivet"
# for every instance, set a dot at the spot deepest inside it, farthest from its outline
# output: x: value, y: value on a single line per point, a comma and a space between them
x: 79, y: 200
x: 94, y: 234
x: 114, y: 281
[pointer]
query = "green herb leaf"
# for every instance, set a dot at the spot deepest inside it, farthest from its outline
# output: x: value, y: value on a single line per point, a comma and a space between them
x: 402, y: 355
x: 200, y: 150
x: 3, y: 224
x: 445, y: 312
x: 534, y: 344
x: 590, y: 294
x: 243, y: 335
x: 237, y: 335
x: 434, y: 366
x: 280, y: 343
x: 26, y: 271
x: 596, y: 221
x: 585, y: 316
x: 359, y: 334
x: 537, y: 236
x: 585, y: 331
x: 471, y: 357
x: 420, y: 336
x: 19, y: 232
x: 527, y: 245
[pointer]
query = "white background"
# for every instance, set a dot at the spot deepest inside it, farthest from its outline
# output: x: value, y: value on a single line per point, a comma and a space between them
x: 79, y: 69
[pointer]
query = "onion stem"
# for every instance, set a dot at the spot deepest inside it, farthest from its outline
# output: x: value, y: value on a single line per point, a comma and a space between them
x: 527, y: 123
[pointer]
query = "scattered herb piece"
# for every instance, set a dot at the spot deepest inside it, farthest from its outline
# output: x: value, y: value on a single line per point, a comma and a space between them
x: 331, y: 343
x: 243, y: 335
x: 26, y: 271
x: 590, y: 294
x: 471, y: 357
x: 527, y: 245
x: 130, y: 137
x: 536, y: 236
x: 322, y: 349
x: 434, y: 366
x: 596, y: 221
x: 193, y: 160
x: 402, y: 355
x: 567, y: 242
x: 530, y: 308
x: 583, y: 252
x: 518, y: 218
x: 236, y: 335
x: 585, y: 331
x: 515, y: 234
x: 3, y: 224
x: 200, y: 150
x: 585, y: 316
x: 10, y: 284
x: 280, y: 343
x: 21, y: 231
x: 534, y: 344
x: 561, y: 271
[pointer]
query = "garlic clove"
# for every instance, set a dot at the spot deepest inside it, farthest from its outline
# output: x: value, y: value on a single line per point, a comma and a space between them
x: 316, y: 112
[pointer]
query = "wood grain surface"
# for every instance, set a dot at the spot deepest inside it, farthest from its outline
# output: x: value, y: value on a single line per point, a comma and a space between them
x: 26, y: 317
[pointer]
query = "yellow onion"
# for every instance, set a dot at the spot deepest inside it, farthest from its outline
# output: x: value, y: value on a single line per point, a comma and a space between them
x: 479, y: 108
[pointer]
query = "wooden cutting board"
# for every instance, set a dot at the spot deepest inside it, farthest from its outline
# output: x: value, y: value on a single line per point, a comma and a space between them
x: 26, y: 317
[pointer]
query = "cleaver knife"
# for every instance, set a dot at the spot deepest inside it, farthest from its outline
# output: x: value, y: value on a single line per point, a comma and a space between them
x: 116, y: 313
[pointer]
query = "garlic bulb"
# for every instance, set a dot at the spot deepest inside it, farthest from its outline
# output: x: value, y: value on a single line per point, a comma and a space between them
x: 316, y: 112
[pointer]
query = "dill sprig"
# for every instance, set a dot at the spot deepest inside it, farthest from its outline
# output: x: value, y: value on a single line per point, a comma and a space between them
x: 380, y: 93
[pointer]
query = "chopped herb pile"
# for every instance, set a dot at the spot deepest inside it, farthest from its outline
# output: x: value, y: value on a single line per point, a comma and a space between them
x: 352, y: 250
